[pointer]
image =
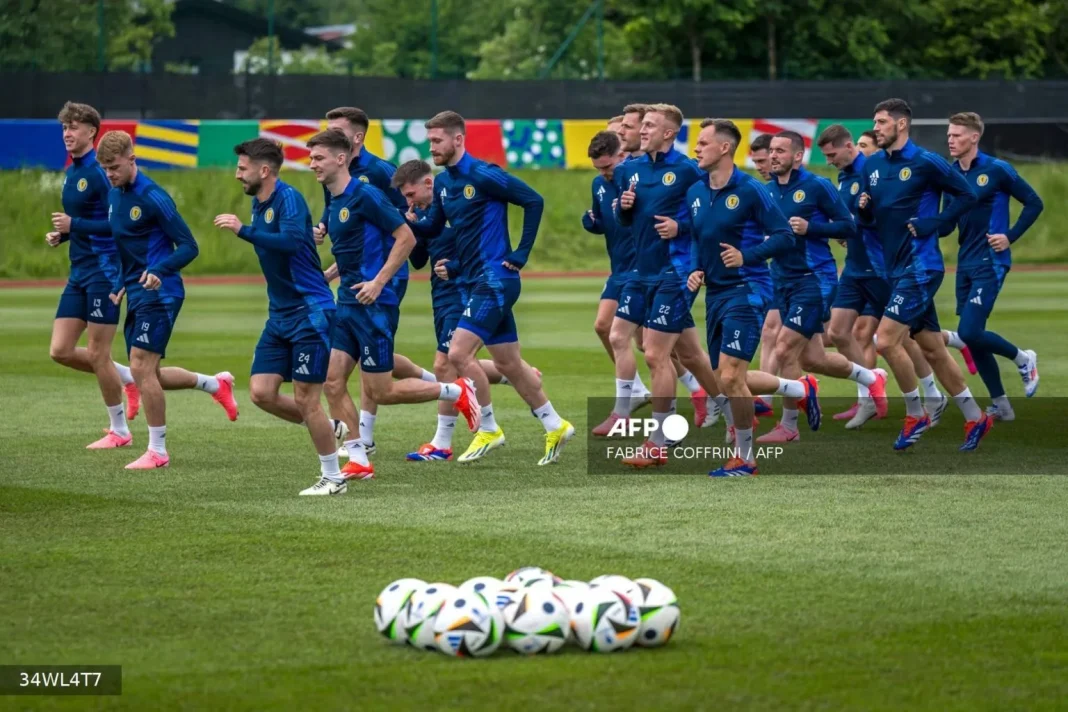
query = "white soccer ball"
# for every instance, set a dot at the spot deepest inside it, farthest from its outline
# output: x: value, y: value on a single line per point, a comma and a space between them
x: 659, y: 612
x: 570, y: 592
x: 389, y: 606
x: 418, y: 617
x: 619, y: 584
x: 468, y: 625
x: 503, y: 595
x: 520, y: 577
x: 536, y: 621
x: 486, y: 585
x: 604, y: 620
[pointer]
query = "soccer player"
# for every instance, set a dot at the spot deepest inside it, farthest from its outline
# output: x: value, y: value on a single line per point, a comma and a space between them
x: 630, y: 127
x: 758, y: 154
x: 806, y: 278
x: 615, y: 124
x: 295, y: 343
x: 154, y: 244
x: 652, y: 202
x: 606, y: 154
x: 369, y: 168
x: 472, y: 196
x: 731, y: 214
x: 415, y: 180
x: 94, y: 266
x: 985, y: 257
x: 361, y: 222
x: 866, y: 143
x: 901, y: 185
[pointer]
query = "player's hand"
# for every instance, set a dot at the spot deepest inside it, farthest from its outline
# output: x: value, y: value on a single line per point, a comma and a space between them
x: 53, y: 238
x: 843, y: 243
x: 864, y: 200
x: 799, y: 226
x: 695, y: 280
x: 330, y: 273
x: 921, y: 227
x: 626, y: 199
x: 150, y: 281
x: 615, y: 204
x: 319, y: 233
x: 666, y: 227
x: 731, y: 256
x: 116, y: 299
x: 589, y: 213
x: 228, y: 222
x: 509, y: 265
x: 440, y: 270
x: 61, y: 222
x: 367, y: 291
x: 998, y: 241
x: 410, y: 216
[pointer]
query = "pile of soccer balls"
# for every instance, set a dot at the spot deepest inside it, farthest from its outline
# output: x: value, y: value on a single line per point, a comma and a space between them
x: 531, y: 610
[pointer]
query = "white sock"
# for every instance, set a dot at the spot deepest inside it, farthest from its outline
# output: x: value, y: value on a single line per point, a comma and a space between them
x: 639, y: 387
x: 357, y: 453
x: 489, y: 423
x: 724, y: 404
x: 862, y: 391
x: 862, y: 375
x: 743, y: 441
x: 125, y: 374
x: 913, y: 406
x: 930, y: 388
x: 657, y: 437
x: 443, y: 437
x: 118, y: 420
x: 329, y: 467
x: 690, y: 381
x: 504, y: 380
x: 367, y: 428
x: 789, y: 419
x: 428, y: 377
x: 1002, y: 402
x: 968, y: 406
x: 875, y: 340
x: 157, y: 439
x: 790, y: 389
x: 208, y: 384
x: 548, y: 416
x: 1021, y: 359
x: 953, y: 339
x: 674, y: 406
x: 449, y: 392
x: 624, y: 391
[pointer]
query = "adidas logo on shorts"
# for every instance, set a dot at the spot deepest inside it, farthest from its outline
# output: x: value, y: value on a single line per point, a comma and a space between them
x: 303, y: 370
x: 893, y: 309
x: 977, y: 299
x: 624, y: 310
x: 467, y: 312
x: 143, y: 338
x: 796, y: 320
x: 660, y: 320
x: 370, y: 361
x: 735, y: 345
x: 97, y: 314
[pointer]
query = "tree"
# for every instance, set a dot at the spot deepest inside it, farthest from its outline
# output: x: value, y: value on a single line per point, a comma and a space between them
x: 306, y: 60
x: 293, y: 13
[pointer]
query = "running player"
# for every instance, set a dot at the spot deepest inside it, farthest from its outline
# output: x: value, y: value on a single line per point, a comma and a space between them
x: 806, y: 278
x: 94, y: 267
x: 985, y: 257
x: 731, y: 214
x: 295, y: 343
x: 154, y: 244
x: 758, y: 154
x: 901, y: 184
x: 866, y: 143
x: 615, y: 124
x: 415, y: 180
x: 360, y: 223
x: 472, y: 197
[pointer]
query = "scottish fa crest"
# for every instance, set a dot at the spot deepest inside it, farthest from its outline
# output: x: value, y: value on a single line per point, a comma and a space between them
x: 268, y: 216
x: 799, y: 195
x: 469, y: 191
x: 135, y: 213
x: 905, y: 173
x: 981, y: 181
x: 343, y: 215
x: 732, y: 202
x: 83, y: 184
x: 668, y: 179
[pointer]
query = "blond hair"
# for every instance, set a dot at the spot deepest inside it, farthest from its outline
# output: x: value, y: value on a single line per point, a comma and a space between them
x: 969, y: 120
x: 668, y: 111
x: 114, y: 144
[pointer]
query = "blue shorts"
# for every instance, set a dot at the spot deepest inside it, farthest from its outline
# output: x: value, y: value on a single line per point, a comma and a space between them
x: 912, y: 302
x: 867, y: 296
x: 803, y: 304
x: 297, y: 349
x: 363, y: 332
x: 488, y: 312
x: 446, y: 320
x: 978, y: 288
x: 400, y: 286
x: 148, y: 327
x: 91, y: 305
x: 614, y: 286
x: 733, y: 321
x: 661, y: 304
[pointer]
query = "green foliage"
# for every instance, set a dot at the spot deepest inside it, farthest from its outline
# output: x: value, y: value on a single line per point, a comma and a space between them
x: 306, y: 60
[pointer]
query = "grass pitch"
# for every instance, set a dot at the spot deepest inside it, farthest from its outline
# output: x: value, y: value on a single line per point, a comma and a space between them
x: 215, y: 586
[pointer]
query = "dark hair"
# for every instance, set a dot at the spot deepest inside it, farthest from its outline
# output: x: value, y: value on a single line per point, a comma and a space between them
x: 869, y: 133
x: 262, y: 150
x: 80, y: 113
x: 897, y: 108
x: 332, y: 139
x: 356, y: 117
x: 410, y: 172
x: 638, y: 109
x: 604, y: 143
x: 725, y: 127
x: 448, y: 120
x: 760, y: 143
x: 836, y: 135
x: 797, y: 143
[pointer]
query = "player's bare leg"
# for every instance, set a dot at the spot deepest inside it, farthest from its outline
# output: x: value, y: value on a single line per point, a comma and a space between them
x: 145, y: 368
x: 789, y: 347
x: 890, y: 339
x: 863, y: 331
x: 733, y: 377
x: 263, y: 391
x: 220, y: 386
x: 602, y: 324
x: 840, y: 332
x: 440, y: 446
x: 337, y: 396
x: 620, y: 336
x: 769, y: 362
x: 952, y: 379
x: 463, y: 350
x: 934, y: 401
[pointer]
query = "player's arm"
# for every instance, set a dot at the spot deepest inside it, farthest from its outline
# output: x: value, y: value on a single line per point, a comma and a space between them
x: 1032, y: 204
x: 842, y: 226
x: 506, y: 187
x: 946, y: 229
x: 624, y: 216
x: 431, y: 225
x: 591, y: 219
x: 174, y: 227
x: 375, y: 208
x: 780, y: 236
x: 420, y: 254
x: 88, y: 226
x: 292, y: 223
x: 948, y: 181
x: 383, y: 173
x: 324, y: 220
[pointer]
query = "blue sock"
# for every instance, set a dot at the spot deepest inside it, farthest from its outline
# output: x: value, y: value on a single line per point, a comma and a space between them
x: 988, y: 369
